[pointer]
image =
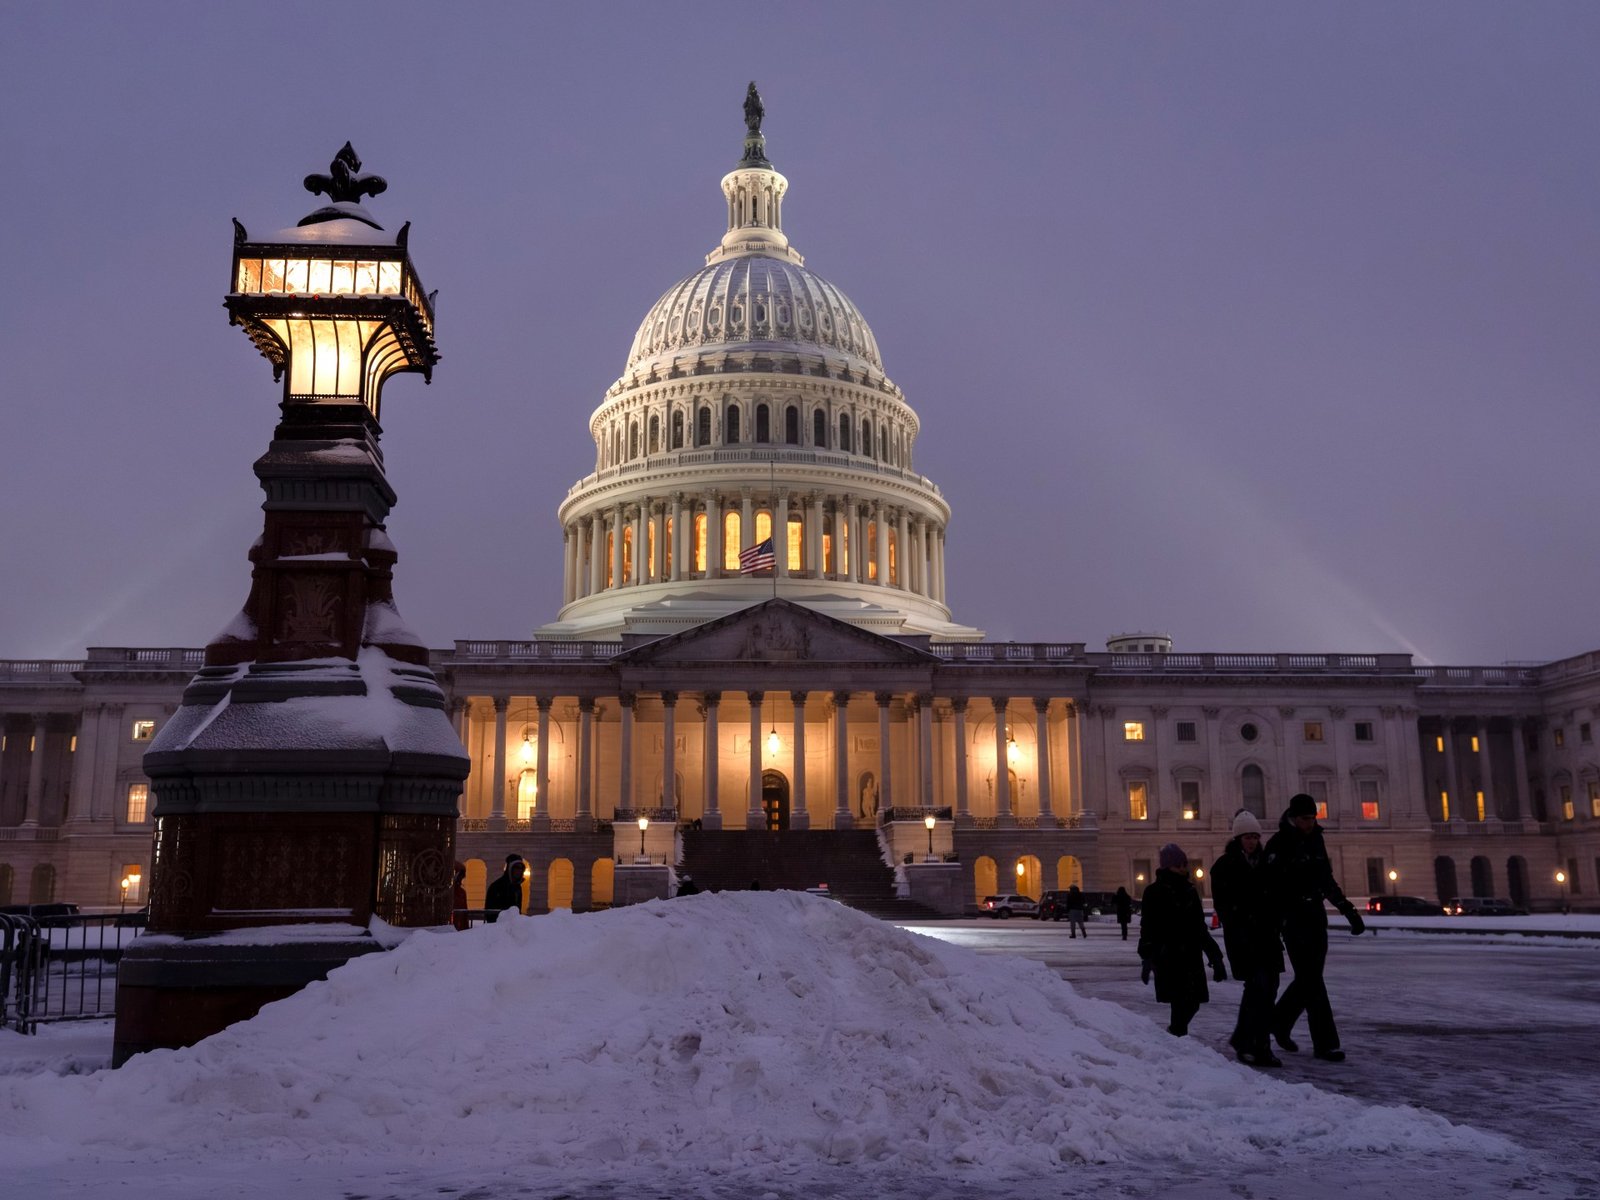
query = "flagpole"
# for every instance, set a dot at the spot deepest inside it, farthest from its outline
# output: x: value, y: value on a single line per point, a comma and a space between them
x: 772, y: 485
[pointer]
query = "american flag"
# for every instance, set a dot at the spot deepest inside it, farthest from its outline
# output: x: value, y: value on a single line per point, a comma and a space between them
x: 758, y: 558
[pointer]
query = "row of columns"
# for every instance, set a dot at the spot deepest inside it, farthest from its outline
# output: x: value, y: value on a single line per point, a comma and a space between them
x: 669, y: 525
x: 710, y: 703
x: 1460, y: 808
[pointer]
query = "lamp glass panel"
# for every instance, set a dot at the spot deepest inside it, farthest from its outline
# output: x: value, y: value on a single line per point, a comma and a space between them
x: 349, y: 358
x: 249, y: 275
x: 295, y: 272
x: 326, y: 379
x: 389, y: 278
x: 272, y: 275
x: 300, y: 360
x: 319, y: 276
x: 344, y: 278
x: 366, y: 278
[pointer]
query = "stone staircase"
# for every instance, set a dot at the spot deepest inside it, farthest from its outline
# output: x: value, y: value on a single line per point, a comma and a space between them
x: 846, y: 860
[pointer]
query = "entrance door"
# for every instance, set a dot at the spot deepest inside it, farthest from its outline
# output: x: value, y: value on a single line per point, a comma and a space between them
x: 775, y: 799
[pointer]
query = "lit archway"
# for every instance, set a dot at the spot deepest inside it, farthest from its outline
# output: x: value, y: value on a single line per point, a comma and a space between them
x: 985, y: 878
x: 601, y: 878
x: 1030, y: 877
x: 477, y: 882
x: 1069, y: 872
x: 560, y: 889
x: 527, y: 794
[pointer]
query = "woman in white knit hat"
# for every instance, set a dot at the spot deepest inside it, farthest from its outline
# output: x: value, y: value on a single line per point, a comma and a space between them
x: 1239, y: 887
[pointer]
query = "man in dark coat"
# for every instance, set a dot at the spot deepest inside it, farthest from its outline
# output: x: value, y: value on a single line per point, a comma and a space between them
x: 1250, y: 933
x: 1124, y: 903
x: 1172, y: 939
x: 506, y: 892
x: 1077, y: 914
x: 1301, y: 878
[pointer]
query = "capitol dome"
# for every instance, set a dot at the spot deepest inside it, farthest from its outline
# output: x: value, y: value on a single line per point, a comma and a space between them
x: 753, y: 446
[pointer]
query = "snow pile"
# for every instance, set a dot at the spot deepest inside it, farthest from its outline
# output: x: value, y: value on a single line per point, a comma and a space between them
x: 718, y: 1032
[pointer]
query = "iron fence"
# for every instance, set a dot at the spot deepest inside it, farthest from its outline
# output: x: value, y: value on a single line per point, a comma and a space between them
x: 61, y: 968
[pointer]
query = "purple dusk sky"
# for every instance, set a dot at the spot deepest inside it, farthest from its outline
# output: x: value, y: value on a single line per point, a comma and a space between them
x: 1272, y: 326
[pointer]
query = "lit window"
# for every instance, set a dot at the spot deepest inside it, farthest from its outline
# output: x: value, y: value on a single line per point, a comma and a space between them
x: 131, y: 881
x: 138, y: 802
x: 1474, y: 743
x: 1444, y: 806
x: 527, y: 794
x: 1567, y: 812
x: 1594, y: 800
x: 72, y: 744
x: 1189, y: 798
x: 1367, y: 794
x: 1363, y: 731
x: 143, y: 731
x: 1560, y: 736
x: 1313, y: 731
x: 1438, y: 745
x: 1186, y: 731
x: 1478, y: 798
x: 1138, y: 800
x: 1318, y: 790
x: 1133, y: 731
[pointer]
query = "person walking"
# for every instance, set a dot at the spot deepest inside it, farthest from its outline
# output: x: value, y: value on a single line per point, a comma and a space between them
x: 1250, y: 934
x: 1301, y: 879
x: 506, y: 891
x: 458, y: 898
x: 1174, y: 943
x: 1076, y: 914
x: 1124, y: 903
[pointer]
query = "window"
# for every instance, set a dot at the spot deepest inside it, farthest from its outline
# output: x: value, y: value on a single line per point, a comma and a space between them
x: 1313, y: 731
x: 1566, y: 802
x: 819, y: 429
x: 1317, y: 789
x: 143, y: 731
x: 1186, y: 731
x: 1444, y: 806
x: 1138, y: 800
x: 655, y: 434
x: 677, y: 431
x: 1559, y: 736
x: 866, y: 437
x: 1585, y: 733
x: 702, y: 427
x: 1367, y: 797
x: 131, y: 883
x: 1376, y: 883
x: 1438, y: 745
x: 1189, y: 798
x: 730, y: 428
x: 1141, y: 875
x: 1249, y: 732
x: 763, y: 423
x: 1594, y: 799
x: 791, y: 425
x: 844, y: 433
x: 1133, y: 731
x: 1363, y: 731
x: 730, y: 541
x: 1475, y: 743
x: 697, y: 556
x: 633, y: 439
x: 1478, y: 800
x: 138, y: 803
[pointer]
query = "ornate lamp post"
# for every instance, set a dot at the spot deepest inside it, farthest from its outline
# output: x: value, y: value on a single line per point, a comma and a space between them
x: 311, y: 774
x: 929, y: 822
x: 644, y: 823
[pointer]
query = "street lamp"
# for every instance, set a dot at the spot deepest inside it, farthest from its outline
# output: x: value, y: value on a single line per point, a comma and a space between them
x: 930, y: 823
x: 1394, y: 882
x: 122, y: 905
x: 1561, y: 878
x: 772, y: 742
x: 644, y: 823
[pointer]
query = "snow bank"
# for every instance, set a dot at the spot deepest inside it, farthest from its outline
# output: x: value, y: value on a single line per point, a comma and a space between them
x: 719, y: 1032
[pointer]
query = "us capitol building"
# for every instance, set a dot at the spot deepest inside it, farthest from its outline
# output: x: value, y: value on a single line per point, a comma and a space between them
x: 759, y: 726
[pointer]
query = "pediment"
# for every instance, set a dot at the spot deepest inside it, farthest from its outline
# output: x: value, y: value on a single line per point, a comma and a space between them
x: 775, y: 631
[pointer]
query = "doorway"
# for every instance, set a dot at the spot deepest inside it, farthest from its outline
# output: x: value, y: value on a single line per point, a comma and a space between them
x: 775, y: 799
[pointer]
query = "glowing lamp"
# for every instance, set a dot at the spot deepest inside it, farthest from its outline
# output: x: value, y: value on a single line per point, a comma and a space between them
x: 334, y: 304
x: 1011, y: 751
x: 772, y: 741
x: 644, y: 823
x: 930, y: 823
x: 1021, y: 870
x: 527, y: 748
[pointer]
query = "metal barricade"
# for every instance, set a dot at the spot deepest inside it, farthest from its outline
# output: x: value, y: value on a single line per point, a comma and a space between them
x: 61, y: 968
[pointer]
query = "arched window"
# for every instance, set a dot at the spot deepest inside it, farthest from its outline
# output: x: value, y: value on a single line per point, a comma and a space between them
x: 655, y: 434
x: 866, y: 437
x: 1253, y: 790
x: 730, y: 428
x: 677, y: 429
x: 730, y: 541
x: 697, y: 559
x: 633, y: 439
x: 602, y: 881
x: 527, y: 794
x: 1482, y: 876
x: 791, y: 425
x: 1444, y: 879
x: 844, y: 432
x: 883, y: 443
x: 763, y: 526
x: 1516, y: 880
x: 819, y: 429
x: 702, y: 426
x: 985, y: 877
x: 763, y: 424
x: 559, y: 893
x: 42, y: 887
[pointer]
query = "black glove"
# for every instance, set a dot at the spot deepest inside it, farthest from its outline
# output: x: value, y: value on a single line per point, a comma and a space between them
x: 1144, y: 972
x: 1219, y: 973
x: 1357, y: 925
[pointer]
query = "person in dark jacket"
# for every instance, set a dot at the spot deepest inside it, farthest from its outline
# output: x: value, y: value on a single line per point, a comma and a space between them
x: 506, y: 891
x: 1077, y: 914
x: 458, y: 898
x: 1250, y: 933
x: 1124, y: 903
x: 1301, y: 879
x: 1173, y: 938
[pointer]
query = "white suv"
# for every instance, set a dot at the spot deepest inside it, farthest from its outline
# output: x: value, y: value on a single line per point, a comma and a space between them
x: 1006, y: 907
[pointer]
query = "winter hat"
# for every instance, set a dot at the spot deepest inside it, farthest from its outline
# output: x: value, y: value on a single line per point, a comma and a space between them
x: 1302, y: 805
x: 1244, y: 822
x: 514, y: 858
x: 1172, y: 857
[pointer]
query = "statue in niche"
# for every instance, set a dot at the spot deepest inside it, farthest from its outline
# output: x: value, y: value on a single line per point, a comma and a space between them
x: 867, y: 803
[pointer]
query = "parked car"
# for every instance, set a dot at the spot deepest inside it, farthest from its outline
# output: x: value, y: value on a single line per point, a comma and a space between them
x: 1484, y: 906
x: 1007, y: 906
x: 1404, y: 906
x: 1104, y: 902
x: 1052, y: 906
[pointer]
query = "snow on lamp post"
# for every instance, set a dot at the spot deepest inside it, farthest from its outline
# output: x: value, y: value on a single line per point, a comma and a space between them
x: 310, y: 774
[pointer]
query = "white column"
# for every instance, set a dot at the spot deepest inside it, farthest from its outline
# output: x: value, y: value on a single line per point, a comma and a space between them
x: 617, y: 519
x: 541, y: 779
x: 958, y: 706
x: 1002, y: 764
x: 747, y: 527
x: 597, y: 552
x: 81, y: 786
x: 714, y: 549
x: 881, y: 515
x: 680, y: 536
x: 1340, y: 801
x: 1519, y: 759
x: 885, y: 775
x: 1163, y: 799
x: 1074, y: 731
x: 658, y: 560
x: 585, y: 758
x: 841, y: 760
x: 814, y: 536
x: 799, y: 815
x: 1452, y: 777
x: 1486, y: 769
x: 1041, y: 733
x: 641, y: 548
x: 497, y: 813
x: 903, y: 551
x: 938, y: 553
x: 569, y: 546
x: 859, y: 550
x: 780, y: 535
x: 925, y: 748
x: 712, y: 816
x: 625, y: 772
x: 669, y: 751
x: 754, y: 817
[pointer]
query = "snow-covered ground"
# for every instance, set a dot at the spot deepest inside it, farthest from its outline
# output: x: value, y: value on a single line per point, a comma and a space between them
x: 778, y: 1045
